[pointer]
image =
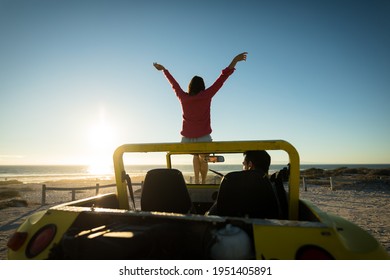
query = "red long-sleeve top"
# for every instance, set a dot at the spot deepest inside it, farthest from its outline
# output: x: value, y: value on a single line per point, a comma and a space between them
x: 196, y: 108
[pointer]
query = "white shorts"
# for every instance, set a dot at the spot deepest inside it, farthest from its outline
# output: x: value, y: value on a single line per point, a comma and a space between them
x: 206, y: 138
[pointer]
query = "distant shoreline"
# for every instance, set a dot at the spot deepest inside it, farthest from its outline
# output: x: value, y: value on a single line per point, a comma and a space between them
x: 373, y: 165
x: 50, y: 173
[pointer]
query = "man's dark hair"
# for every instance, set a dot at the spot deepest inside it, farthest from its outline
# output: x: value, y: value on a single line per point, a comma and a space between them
x: 260, y: 159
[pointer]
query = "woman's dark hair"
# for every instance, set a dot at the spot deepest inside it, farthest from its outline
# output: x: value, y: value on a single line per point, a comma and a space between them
x: 196, y: 85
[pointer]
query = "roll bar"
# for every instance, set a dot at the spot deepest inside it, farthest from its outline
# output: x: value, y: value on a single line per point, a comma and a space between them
x: 204, y: 148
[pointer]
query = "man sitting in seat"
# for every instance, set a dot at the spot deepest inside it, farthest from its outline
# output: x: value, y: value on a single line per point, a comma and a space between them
x: 254, y: 161
x: 261, y: 160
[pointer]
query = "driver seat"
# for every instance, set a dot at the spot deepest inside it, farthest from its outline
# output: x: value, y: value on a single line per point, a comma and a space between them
x: 247, y: 194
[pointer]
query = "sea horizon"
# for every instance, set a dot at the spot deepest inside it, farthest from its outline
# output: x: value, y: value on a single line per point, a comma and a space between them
x: 41, y: 173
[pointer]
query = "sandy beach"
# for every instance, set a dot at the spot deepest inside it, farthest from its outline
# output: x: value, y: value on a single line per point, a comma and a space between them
x: 362, y: 197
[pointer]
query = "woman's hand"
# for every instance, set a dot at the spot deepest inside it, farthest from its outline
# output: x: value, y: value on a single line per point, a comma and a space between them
x: 159, y: 67
x: 237, y: 58
x: 240, y: 57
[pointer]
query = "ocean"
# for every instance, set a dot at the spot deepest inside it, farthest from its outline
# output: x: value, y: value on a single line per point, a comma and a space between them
x: 44, y: 173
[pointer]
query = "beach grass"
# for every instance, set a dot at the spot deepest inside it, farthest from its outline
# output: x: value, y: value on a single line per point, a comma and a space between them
x: 11, y: 198
x: 8, y: 193
x: 10, y: 182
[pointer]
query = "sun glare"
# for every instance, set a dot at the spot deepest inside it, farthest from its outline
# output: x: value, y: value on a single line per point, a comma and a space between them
x: 102, y: 145
x: 100, y: 169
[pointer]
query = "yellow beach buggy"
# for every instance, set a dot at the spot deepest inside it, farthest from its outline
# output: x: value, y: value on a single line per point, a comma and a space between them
x: 256, y: 218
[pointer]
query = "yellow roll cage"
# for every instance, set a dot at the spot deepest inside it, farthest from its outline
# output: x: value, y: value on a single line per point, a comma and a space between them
x: 209, y: 148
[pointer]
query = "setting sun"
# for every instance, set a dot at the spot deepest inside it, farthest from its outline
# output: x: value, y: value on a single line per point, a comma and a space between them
x: 101, y: 136
x: 101, y: 141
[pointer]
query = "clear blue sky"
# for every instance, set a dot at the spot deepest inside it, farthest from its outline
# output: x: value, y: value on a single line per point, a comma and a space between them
x: 76, y: 77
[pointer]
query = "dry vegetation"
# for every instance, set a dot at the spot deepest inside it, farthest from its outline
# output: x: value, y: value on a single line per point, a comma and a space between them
x: 10, y: 197
x: 349, y: 177
x: 10, y: 182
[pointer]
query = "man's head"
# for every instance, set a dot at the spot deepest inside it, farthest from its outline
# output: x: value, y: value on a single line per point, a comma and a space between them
x: 257, y: 160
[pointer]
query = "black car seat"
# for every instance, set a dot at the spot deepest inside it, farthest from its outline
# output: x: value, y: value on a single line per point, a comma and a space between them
x: 246, y: 194
x: 165, y: 190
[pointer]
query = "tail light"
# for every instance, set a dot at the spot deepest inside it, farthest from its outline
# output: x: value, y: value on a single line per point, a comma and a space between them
x: 41, y: 239
x: 312, y: 252
x: 17, y: 240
